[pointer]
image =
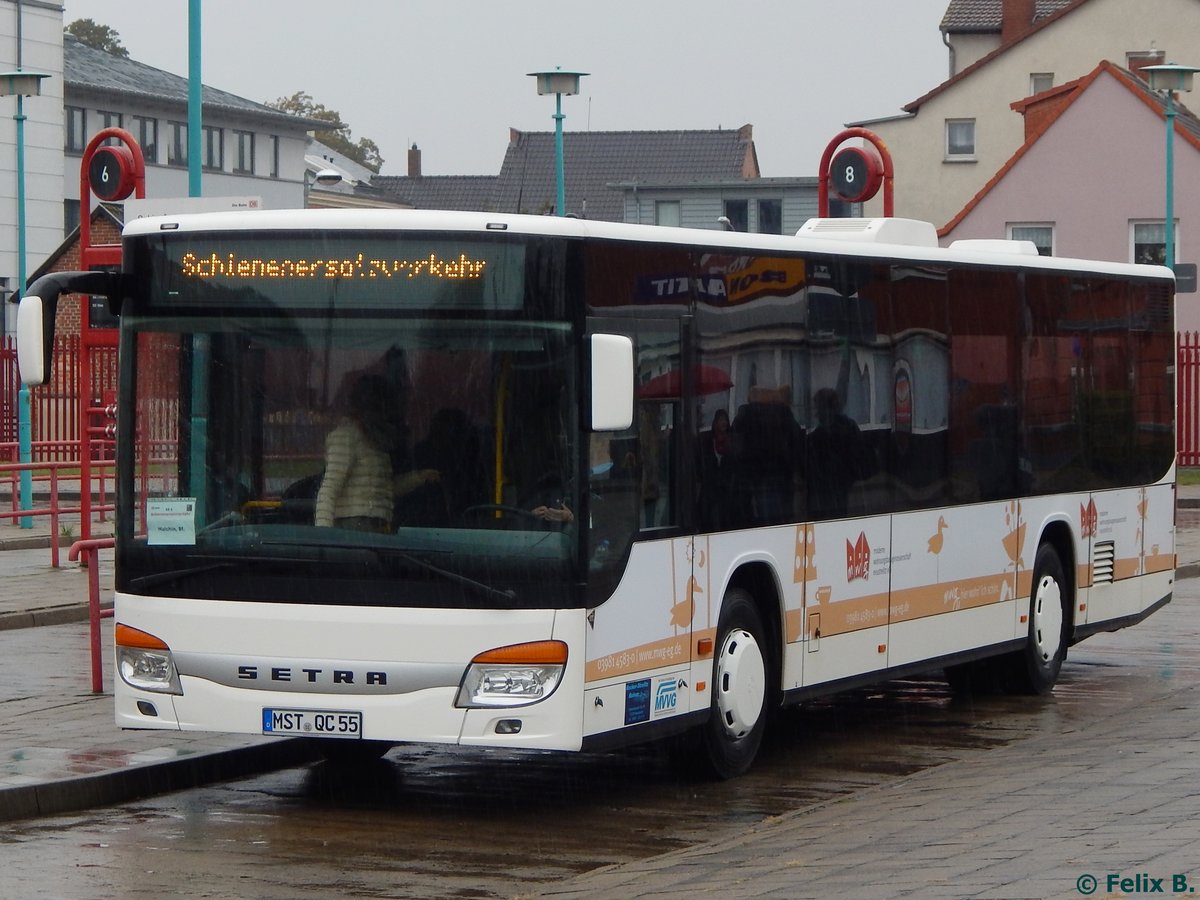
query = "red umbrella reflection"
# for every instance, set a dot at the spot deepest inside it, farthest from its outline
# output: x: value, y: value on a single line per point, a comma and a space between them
x: 705, y: 380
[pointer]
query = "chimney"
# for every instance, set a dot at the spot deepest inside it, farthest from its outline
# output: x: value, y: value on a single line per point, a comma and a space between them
x: 1016, y: 19
x: 1138, y: 61
x: 414, y: 162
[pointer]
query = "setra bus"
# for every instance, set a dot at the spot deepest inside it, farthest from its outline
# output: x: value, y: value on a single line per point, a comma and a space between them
x: 637, y: 482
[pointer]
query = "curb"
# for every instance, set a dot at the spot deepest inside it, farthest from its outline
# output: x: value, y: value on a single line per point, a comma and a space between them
x: 135, y: 782
x: 33, y: 542
x: 49, y: 615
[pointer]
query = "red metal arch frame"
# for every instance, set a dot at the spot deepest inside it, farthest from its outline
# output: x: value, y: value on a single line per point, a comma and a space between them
x: 94, y: 340
x: 105, y: 254
x: 884, y: 154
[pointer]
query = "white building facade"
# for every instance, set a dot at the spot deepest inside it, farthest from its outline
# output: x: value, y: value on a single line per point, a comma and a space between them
x: 40, y: 48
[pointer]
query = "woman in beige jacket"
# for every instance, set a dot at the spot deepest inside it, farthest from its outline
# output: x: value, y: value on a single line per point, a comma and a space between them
x: 358, y: 489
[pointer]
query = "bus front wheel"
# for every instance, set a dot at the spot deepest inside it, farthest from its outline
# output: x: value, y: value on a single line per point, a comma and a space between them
x: 1035, y: 669
x: 740, y: 688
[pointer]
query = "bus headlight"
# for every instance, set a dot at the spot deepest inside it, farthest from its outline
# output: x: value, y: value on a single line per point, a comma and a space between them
x: 517, y: 675
x: 145, y: 662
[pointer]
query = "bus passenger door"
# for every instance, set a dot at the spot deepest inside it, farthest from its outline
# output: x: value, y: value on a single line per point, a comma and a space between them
x: 644, y: 595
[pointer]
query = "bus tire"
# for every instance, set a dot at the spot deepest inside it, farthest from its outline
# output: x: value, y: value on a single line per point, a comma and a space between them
x: 1035, y: 669
x: 740, y: 688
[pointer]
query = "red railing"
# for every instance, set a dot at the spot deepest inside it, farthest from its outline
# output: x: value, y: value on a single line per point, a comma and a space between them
x: 54, y: 408
x: 54, y: 508
x: 90, y: 551
x: 1187, y: 414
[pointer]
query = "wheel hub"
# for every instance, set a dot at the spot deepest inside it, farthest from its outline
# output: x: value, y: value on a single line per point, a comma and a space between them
x: 1047, y: 618
x: 741, y: 683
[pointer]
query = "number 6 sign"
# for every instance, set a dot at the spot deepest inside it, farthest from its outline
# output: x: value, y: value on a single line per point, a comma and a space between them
x: 112, y: 172
x: 856, y: 173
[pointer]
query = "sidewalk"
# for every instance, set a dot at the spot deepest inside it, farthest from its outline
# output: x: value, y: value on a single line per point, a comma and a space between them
x: 59, y: 748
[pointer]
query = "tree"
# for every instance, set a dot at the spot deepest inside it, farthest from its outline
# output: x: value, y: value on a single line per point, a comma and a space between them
x: 99, y: 37
x: 337, y: 136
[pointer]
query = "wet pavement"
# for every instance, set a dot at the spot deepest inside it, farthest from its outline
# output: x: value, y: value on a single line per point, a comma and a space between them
x: 60, y: 752
x: 59, y: 747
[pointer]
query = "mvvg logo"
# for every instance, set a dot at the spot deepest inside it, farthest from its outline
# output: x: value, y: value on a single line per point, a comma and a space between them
x: 858, y: 559
x: 666, y: 697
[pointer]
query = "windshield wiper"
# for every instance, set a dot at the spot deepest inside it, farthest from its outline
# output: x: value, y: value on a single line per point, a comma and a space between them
x: 380, y: 552
x: 226, y: 562
x: 486, y: 589
x: 157, y: 578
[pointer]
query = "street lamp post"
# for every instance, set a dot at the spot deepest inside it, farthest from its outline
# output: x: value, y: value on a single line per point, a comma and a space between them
x: 1170, y: 78
x: 22, y: 84
x: 558, y: 82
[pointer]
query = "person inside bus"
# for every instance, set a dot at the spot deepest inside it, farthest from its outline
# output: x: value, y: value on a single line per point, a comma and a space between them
x: 715, y: 468
x: 549, y: 502
x: 453, y: 448
x: 836, y: 458
x: 358, y: 489
x: 770, y: 448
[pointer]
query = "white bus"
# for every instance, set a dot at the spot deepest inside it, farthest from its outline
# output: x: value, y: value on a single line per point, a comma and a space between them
x: 639, y: 482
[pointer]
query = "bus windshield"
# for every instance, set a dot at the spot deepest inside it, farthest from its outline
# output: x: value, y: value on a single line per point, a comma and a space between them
x: 373, y: 460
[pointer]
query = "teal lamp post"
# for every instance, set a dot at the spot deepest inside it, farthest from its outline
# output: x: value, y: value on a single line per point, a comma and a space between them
x: 1170, y: 78
x: 558, y: 82
x: 22, y: 84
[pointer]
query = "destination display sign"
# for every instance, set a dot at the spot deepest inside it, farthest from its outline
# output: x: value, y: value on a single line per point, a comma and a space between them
x: 342, y: 271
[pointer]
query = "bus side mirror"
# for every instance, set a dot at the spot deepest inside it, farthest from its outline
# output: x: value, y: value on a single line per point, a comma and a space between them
x: 35, y: 339
x: 612, y: 382
x: 35, y: 316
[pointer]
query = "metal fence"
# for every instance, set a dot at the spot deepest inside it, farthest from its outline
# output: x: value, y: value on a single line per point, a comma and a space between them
x: 54, y: 408
x: 1187, y: 411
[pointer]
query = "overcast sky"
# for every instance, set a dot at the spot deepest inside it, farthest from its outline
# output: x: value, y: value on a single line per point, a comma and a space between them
x: 450, y: 75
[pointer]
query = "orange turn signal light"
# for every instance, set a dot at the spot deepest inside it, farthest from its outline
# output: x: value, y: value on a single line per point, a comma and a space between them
x: 538, y: 653
x: 132, y: 637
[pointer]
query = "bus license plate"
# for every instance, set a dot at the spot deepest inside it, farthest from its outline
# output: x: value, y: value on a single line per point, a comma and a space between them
x: 312, y: 722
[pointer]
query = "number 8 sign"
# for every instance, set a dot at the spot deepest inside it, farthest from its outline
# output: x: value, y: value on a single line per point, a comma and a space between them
x: 856, y: 174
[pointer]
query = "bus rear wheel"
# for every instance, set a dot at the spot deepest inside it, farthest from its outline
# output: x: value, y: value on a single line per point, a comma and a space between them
x: 1035, y: 669
x: 740, y: 690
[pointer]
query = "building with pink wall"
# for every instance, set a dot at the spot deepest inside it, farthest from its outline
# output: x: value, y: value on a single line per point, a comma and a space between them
x: 1090, y: 179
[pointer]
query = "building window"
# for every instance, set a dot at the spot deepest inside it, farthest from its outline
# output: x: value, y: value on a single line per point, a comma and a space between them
x: 214, y: 147
x: 111, y: 120
x: 770, y: 216
x: 273, y: 154
x: 76, y: 129
x: 960, y: 139
x: 1040, y: 81
x: 738, y: 214
x: 244, y: 140
x: 666, y: 212
x: 177, y: 150
x: 1149, y: 242
x: 146, y: 132
x: 1042, y: 236
x: 70, y: 216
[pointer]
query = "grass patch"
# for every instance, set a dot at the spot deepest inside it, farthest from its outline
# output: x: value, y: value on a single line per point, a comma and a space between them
x: 1187, y: 476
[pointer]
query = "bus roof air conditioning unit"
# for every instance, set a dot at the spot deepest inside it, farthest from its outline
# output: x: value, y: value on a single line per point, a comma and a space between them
x: 905, y: 232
